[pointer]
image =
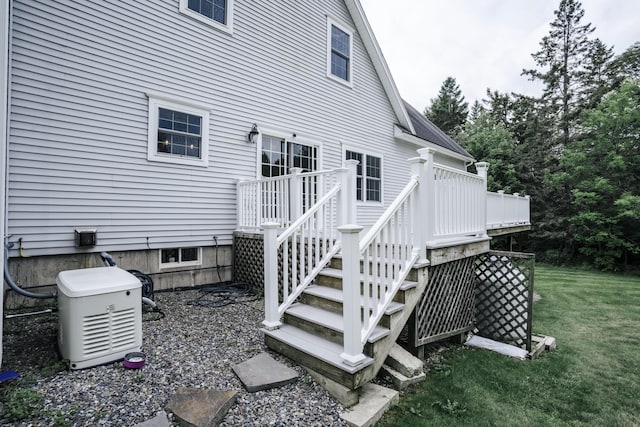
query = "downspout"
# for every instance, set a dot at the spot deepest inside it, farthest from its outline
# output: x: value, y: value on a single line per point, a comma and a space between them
x: 5, y: 8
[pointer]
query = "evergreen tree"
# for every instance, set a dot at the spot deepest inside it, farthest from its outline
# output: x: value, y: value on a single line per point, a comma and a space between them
x: 499, y: 106
x: 596, y: 76
x: 626, y: 65
x: 476, y: 110
x: 560, y: 59
x: 449, y: 109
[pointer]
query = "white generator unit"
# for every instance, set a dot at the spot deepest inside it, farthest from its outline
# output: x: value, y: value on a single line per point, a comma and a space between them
x: 100, y: 315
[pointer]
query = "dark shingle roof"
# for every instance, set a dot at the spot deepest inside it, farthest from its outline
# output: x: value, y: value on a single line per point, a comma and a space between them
x: 430, y: 132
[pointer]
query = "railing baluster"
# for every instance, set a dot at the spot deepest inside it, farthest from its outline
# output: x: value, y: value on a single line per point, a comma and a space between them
x: 285, y: 271
x: 367, y: 285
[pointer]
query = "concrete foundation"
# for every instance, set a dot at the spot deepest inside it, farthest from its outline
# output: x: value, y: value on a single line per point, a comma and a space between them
x: 38, y: 273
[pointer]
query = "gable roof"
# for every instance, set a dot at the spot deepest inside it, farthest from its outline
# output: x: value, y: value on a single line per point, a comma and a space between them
x: 379, y: 63
x: 409, y: 119
x: 426, y: 130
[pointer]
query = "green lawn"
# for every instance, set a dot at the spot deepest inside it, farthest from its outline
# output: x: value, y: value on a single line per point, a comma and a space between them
x: 593, y: 378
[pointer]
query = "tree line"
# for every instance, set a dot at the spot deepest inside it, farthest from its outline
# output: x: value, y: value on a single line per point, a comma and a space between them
x: 574, y: 148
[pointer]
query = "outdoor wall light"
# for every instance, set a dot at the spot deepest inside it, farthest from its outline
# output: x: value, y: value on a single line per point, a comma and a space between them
x: 252, y: 137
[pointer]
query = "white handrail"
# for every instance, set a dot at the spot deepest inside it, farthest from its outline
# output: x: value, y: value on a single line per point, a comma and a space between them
x: 304, y: 218
x: 293, y: 259
x: 280, y: 199
x: 459, y: 203
x: 506, y: 210
x: 395, y: 205
x: 388, y: 252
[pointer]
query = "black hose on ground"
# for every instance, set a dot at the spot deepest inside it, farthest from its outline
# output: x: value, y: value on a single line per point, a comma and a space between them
x: 13, y: 285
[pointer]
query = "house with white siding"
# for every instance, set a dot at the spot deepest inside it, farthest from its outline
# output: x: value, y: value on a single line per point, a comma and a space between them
x: 156, y: 130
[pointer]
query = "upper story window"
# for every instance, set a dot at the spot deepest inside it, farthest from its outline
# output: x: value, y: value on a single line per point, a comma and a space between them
x: 178, y: 132
x: 368, y: 176
x: 340, y: 56
x: 217, y: 13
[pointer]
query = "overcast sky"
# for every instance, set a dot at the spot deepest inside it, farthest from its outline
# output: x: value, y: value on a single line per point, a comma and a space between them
x: 481, y: 43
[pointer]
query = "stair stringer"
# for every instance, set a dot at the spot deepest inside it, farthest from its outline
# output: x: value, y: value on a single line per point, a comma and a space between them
x: 383, y: 347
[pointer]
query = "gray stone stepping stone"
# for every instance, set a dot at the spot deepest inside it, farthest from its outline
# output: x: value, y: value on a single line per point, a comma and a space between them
x: 262, y: 372
x: 194, y: 407
x: 160, y: 420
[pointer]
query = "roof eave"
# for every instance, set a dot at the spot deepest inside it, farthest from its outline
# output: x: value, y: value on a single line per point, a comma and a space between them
x: 379, y: 63
x: 406, y: 136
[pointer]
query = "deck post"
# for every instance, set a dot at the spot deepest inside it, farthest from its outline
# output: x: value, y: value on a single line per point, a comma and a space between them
x: 483, y: 169
x: 260, y: 210
x: 240, y: 206
x: 349, y: 234
x: 429, y: 192
x: 271, y: 316
x: 295, y: 195
x: 502, y: 218
x: 419, y: 206
x: 347, y: 199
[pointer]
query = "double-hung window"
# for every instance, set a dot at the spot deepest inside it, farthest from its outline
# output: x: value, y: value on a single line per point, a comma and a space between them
x: 216, y: 13
x: 178, y: 132
x: 340, y: 52
x: 368, y: 176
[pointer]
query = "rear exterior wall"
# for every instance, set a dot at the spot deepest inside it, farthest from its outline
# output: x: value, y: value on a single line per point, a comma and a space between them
x: 78, y: 123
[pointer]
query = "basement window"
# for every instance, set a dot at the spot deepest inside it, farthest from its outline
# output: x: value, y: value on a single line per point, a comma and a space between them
x: 180, y: 257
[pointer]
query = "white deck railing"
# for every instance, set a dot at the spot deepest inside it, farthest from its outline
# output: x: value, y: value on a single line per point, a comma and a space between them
x: 293, y: 259
x: 280, y: 199
x: 506, y: 210
x: 459, y: 201
x: 318, y: 211
x: 388, y: 252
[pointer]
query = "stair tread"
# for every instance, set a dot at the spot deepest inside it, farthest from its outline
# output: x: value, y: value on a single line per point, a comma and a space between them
x: 337, y: 274
x: 330, y: 320
x: 333, y: 294
x: 318, y: 347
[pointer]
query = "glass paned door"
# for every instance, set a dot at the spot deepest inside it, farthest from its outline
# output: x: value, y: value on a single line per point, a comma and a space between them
x: 278, y: 157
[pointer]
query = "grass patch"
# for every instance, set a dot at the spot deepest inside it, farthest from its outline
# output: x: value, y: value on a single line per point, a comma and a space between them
x: 593, y: 378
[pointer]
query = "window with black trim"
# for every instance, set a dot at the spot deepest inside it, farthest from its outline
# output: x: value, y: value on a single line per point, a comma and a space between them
x: 368, y: 176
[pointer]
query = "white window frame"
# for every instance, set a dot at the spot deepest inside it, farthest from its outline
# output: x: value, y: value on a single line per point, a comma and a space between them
x: 364, y: 154
x: 157, y: 101
x: 332, y: 22
x: 179, y: 263
x: 288, y: 136
x: 227, y: 27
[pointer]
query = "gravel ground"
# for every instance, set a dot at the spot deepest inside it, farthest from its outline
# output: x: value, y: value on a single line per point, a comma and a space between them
x: 193, y: 346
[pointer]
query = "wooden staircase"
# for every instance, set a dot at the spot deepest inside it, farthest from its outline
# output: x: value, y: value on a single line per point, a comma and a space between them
x: 312, y: 329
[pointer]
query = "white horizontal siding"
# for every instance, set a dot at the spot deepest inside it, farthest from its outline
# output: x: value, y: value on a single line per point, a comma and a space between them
x: 78, y: 124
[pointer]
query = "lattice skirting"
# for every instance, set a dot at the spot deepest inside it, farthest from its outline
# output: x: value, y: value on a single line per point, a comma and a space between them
x: 447, y: 305
x: 504, y: 297
x: 248, y: 259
